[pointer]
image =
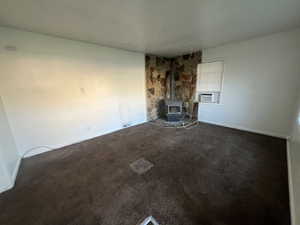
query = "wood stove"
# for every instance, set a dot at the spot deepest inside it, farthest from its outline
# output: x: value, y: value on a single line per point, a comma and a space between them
x: 173, y: 110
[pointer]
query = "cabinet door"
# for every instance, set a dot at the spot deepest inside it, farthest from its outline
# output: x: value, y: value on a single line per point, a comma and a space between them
x: 210, y: 77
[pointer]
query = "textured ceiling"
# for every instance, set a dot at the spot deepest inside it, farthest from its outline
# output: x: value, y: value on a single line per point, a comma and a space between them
x: 162, y: 27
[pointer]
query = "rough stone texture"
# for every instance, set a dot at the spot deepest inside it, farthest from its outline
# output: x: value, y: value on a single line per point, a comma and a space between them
x: 186, y: 70
x: 158, y: 78
x: 207, y: 175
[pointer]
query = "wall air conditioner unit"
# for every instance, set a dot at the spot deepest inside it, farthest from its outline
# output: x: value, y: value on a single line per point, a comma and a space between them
x: 209, y: 97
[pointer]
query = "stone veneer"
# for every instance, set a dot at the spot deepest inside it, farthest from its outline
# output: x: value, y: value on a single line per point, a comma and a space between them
x: 158, y: 70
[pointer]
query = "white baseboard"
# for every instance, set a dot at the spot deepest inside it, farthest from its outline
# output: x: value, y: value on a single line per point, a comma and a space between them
x: 290, y: 177
x: 13, y: 178
x: 272, y: 134
x: 6, y: 188
x: 291, y: 186
x: 16, y: 170
x: 42, y: 149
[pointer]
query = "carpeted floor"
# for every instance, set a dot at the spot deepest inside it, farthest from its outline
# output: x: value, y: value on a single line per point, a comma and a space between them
x: 206, y: 175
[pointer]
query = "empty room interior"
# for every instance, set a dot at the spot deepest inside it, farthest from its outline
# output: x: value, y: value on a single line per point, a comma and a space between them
x: 139, y: 112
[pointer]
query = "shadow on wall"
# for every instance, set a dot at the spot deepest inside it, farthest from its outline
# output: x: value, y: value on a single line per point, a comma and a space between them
x: 158, y: 71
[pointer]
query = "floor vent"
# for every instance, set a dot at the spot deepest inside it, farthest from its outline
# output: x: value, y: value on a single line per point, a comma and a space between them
x: 141, y: 166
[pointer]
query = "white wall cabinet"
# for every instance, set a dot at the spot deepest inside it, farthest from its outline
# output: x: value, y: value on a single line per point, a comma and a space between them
x: 209, y: 82
x: 210, y: 77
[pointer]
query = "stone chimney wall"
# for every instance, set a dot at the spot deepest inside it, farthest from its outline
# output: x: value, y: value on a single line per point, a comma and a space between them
x: 157, y: 78
x: 186, y: 78
x: 158, y: 71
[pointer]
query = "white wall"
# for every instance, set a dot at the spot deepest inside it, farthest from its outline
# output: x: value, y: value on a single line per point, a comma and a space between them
x: 260, y: 84
x: 57, y: 92
x: 294, y: 167
x: 9, y: 156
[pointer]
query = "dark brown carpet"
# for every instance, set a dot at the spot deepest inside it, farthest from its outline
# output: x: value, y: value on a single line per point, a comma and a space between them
x: 207, y: 175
